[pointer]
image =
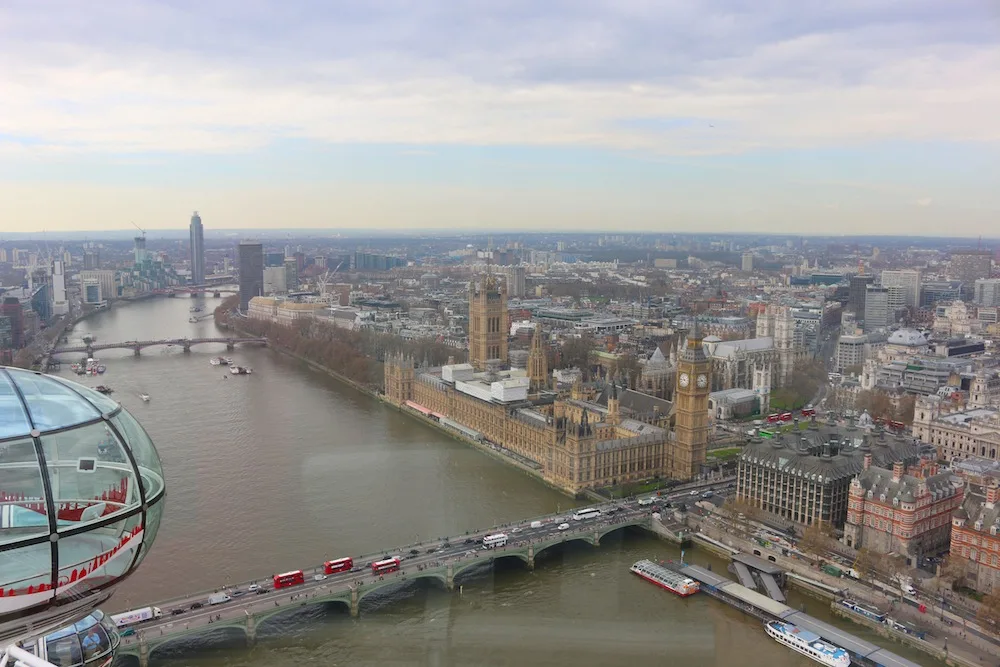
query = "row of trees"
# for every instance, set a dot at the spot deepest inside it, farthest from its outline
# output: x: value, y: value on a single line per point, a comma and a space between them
x: 357, y: 355
x: 802, y: 386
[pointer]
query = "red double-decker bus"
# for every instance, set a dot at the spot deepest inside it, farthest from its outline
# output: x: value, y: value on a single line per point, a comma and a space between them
x: 773, y: 419
x: 785, y: 416
x: 339, y: 565
x: 899, y: 426
x: 287, y: 579
x: 384, y: 566
x: 808, y: 412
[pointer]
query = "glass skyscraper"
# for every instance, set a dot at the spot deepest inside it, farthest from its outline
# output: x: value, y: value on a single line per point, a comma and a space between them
x: 197, y: 250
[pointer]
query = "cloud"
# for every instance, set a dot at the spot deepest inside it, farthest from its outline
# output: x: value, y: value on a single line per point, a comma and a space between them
x: 924, y: 202
x: 125, y: 77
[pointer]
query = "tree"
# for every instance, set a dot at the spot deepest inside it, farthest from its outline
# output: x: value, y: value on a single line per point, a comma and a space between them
x: 953, y: 569
x: 893, y: 565
x: 989, y: 612
x: 741, y: 513
x: 904, y: 409
x: 576, y: 353
x: 816, y: 538
x: 864, y: 564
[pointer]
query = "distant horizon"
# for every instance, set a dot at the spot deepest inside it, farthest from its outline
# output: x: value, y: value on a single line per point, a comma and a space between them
x: 497, y: 233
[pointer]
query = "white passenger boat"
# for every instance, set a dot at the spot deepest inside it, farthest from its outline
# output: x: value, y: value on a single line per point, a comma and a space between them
x: 808, y: 644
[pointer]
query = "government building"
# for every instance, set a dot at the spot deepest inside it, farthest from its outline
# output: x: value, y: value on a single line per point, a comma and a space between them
x: 805, y: 476
x: 578, y: 440
x: 902, y: 511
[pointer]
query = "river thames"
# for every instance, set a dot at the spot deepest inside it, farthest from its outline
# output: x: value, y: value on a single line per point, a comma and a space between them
x: 286, y: 468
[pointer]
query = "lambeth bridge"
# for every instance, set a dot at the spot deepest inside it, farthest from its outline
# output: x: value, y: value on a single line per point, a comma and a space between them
x: 441, y: 561
x: 138, y: 345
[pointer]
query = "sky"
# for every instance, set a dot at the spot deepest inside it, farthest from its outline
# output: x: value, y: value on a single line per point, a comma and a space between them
x: 854, y: 116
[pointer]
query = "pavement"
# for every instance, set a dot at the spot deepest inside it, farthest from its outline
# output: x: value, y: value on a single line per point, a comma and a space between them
x: 430, y: 554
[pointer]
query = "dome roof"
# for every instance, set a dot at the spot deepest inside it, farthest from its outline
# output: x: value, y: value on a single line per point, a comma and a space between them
x: 711, y: 339
x: 81, y: 492
x: 907, y: 337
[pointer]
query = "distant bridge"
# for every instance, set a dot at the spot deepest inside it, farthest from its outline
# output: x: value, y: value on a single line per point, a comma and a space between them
x: 138, y: 345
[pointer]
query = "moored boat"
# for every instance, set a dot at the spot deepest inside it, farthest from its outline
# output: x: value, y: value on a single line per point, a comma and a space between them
x: 144, y: 397
x: 675, y: 582
x: 808, y: 644
x: 103, y: 389
x: 240, y: 370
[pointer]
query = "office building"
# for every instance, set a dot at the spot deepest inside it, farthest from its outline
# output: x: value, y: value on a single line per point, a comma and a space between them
x: 904, y: 288
x: 291, y: 273
x: 197, y: 250
x: 878, y: 315
x: 748, y: 261
x: 902, y: 511
x: 806, y: 477
x: 932, y: 293
x: 139, y: 249
x: 363, y: 261
x: 107, y: 279
x: 516, y: 284
x: 13, y: 327
x: 856, y: 295
x: 91, y: 257
x: 274, y: 280
x: 957, y: 434
x: 987, y: 292
x: 274, y: 259
x: 968, y: 266
x: 851, y: 351
x: 92, y: 292
x: 60, y: 303
x: 251, y: 255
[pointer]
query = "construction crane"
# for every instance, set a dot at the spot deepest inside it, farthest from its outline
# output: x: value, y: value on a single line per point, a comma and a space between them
x: 140, y: 229
x: 324, y: 280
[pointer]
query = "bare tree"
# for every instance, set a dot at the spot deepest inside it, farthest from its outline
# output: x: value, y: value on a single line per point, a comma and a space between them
x: 864, y: 564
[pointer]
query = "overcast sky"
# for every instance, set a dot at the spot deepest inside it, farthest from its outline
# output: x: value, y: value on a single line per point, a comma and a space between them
x: 854, y: 116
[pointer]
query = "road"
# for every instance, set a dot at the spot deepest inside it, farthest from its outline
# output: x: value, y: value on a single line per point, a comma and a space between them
x: 429, y: 554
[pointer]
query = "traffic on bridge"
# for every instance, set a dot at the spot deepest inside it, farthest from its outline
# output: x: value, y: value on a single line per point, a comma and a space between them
x: 137, y: 345
x: 440, y: 559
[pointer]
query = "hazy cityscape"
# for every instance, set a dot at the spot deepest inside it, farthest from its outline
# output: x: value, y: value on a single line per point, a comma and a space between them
x: 518, y: 334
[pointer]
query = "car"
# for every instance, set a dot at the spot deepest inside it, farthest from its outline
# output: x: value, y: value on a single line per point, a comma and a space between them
x: 178, y: 611
x: 253, y: 588
x: 197, y: 605
x: 693, y: 492
x: 414, y: 552
x: 236, y: 594
x: 127, y: 632
x: 262, y: 591
x: 563, y: 526
x: 355, y: 569
x: 469, y: 540
x: 319, y: 577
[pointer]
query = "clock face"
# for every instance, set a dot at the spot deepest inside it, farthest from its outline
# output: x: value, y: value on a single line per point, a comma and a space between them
x: 684, y: 379
x: 702, y: 381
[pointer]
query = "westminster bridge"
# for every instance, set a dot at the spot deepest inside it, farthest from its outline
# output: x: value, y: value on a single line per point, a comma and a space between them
x: 441, y: 561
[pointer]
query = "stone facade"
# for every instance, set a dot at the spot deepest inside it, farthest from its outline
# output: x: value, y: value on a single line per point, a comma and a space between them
x: 576, y: 441
x: 488, y: 321
x: 957, y: 433
x: 890, y: 511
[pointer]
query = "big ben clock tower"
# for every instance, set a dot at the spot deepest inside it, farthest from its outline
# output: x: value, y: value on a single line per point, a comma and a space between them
x: 694, y: 382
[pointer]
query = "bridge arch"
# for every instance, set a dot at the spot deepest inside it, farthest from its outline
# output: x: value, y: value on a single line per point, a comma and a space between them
x: 493, y: 557
x: 209, y: 635
x: 368, y: 589
x: 291, y: 607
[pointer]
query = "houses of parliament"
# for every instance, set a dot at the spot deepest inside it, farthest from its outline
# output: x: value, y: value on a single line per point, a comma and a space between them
x: 588, y: 437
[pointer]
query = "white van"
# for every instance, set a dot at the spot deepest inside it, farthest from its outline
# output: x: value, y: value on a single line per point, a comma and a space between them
x: 218, y: 598
x: 646, y: 501
x: 536, y: 524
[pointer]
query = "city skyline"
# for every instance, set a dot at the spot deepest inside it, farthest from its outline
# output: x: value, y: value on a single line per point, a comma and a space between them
x: 569, y: 116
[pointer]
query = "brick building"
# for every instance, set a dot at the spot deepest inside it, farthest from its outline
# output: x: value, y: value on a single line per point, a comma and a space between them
x: 907, y: 512
x: 974, y: 538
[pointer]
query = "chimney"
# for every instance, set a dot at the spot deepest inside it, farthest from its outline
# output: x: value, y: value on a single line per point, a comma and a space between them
x: 992, y: 495
x: 898, y: 468
x: 868, y: 461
